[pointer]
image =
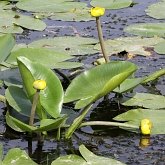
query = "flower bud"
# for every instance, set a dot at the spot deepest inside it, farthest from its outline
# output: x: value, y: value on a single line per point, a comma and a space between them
x: 145, y: 126
x: 97, y: 11
x: 39, y: 84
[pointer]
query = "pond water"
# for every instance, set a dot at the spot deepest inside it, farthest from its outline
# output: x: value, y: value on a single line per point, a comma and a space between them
x: 115, y: 143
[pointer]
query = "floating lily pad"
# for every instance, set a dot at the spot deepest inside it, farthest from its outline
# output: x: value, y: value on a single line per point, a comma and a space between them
x: 111, y: 4
x: 70, y: 45
x: 88, y: 158
x: 160, y: 48
x: 17, y: 156
x: 147, y: 29
x: 49, y: 5
x: 44, y: 56
x: 134, y: 116
x: 156, y: 10
x: 73, y: 15
x: 11, y: 22
x: 145, y: 100
x: 133, y: 45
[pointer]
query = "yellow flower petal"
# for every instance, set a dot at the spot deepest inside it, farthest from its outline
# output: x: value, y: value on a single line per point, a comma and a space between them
x: 97, y: 11
x: 145, y: 126
x: 39, y: 84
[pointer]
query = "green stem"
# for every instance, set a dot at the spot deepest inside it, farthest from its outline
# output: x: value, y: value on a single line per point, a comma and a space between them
x: 77, y: 122
x: 100, y: 35
x: 107, y: 123
x: 34, y: 105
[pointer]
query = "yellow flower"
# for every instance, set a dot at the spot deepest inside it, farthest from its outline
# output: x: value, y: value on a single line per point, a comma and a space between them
x: 145, y: 126
x: 39, y: 84
x: 97, y: 11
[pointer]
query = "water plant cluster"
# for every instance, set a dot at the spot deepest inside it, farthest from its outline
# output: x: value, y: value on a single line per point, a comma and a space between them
x: 32, y: 75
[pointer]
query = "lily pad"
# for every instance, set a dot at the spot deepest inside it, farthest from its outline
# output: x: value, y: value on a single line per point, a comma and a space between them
x: 49, y: 5
x: 17, y: 156
x: 160, y: 48
x: 147, y: 29
x: 88, y: 158
x: 155, y: 10
x: 73, y: 15
x: 67, y: 44
x: 145, y: 100
x: 11, y: 22
x: 133, y: 45
x: 134, y: 116
x: 44, y: 56
x: 111, y: 4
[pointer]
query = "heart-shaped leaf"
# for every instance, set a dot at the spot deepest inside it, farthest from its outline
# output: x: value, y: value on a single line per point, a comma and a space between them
x: 99, y: 81
x: 51, y: 97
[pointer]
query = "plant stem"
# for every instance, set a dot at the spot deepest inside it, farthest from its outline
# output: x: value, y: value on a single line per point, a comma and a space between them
x: 77, y: 122
x: 106, y: 123
x: 34, y: 105
x: 100, y: 35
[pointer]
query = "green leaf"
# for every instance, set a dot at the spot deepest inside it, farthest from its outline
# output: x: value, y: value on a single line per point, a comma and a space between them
x: 11, y: 21
x: 128, y: 85
x: 71, y: 45
x: 50, y: 124
x: 145, y: 100
x: 68, y: 65
x: 132, y: 45
x: 18, y: 157
x: 93, y: 159
x: 49, y: 5
x: 73, y: 15
x: 147, y: 29
x: 160, y: 48
x: 90, y: 159
x: 51, y: 98
x: 135, y: 116
x: 154, y: 76
x: 111, y: 4
x: 155, y: 10
x: 17, y: 99
x: 18, y: 125
x: 69, y: 160
x: 43, y: 56
x: 99, y: 81
x: 7, y: 43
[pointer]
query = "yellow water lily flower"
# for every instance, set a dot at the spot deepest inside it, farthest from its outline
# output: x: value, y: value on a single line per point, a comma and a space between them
x: 39, y: 84
x: 145, y: 126
x: 97, y: 11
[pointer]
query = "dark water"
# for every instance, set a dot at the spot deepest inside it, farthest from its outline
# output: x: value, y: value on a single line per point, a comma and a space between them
x: 115, y: 143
